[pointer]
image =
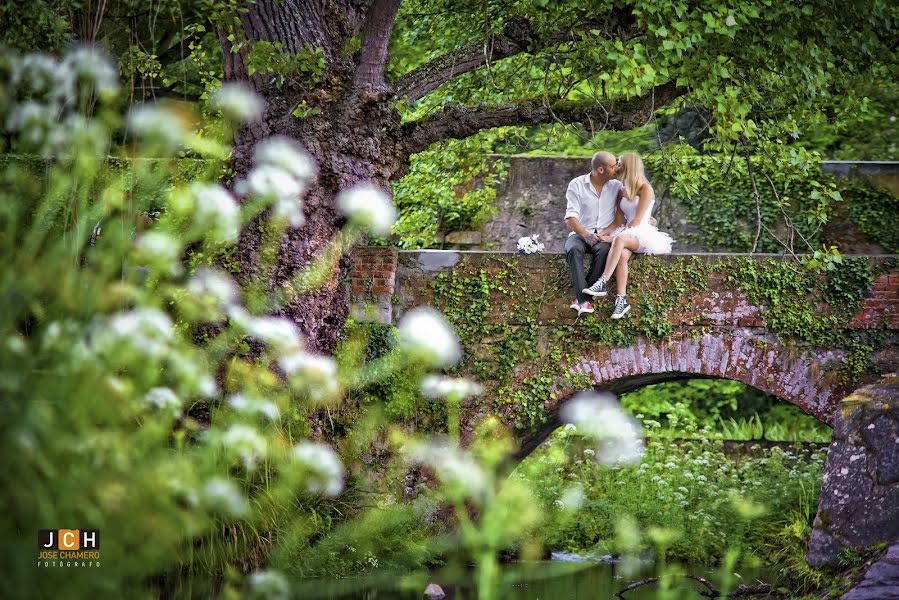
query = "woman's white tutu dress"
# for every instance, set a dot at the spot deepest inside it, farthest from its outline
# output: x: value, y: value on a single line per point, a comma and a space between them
x: 650, y: 239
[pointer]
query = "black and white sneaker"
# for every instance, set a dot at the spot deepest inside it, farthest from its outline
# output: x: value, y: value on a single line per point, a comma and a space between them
x: 600, y: 288
x: 621, y: 307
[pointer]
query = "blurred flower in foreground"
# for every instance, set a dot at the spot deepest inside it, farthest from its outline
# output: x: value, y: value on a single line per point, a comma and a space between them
x: 315, y: 374
x: 618, y: 436
x: 245, y: 443
x: 164, y: 400
x: 268, y: 585
x: 424, y: 332
x: 212, y: 289
x: 216, y: 211
x: 158, y: 123
x: 323, y: 469
x: 282, y: 174
x: 454, y: 467
x: 369, y: 207
x: 286, y: 154
x: 159, y: 251
x: 143, y: 331
x: 90, y: 68
x: 237, y: 102
x: 436, y: 386
x: 224, y: 497
x: 252, y: 407
x: 278, y: 333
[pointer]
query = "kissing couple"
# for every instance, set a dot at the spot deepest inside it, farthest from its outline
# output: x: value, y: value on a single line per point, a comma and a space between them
x: 609, y: 213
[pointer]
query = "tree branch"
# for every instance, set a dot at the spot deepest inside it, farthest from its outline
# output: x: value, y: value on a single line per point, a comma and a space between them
x: 375, y: 37
x: 461, y: 122
x: 518, y: 35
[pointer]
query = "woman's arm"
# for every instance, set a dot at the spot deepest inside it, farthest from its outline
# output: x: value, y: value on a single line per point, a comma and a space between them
x: 616, y: 223
x: 647, y: 196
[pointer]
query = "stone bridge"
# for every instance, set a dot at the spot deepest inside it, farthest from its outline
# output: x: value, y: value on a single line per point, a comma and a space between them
x: 807, y: 338
x: 811, y: 339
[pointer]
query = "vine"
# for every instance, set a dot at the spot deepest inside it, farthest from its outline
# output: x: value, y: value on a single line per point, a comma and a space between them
x: 496, y: 309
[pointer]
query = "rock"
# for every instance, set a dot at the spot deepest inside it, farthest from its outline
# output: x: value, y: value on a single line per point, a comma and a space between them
x: 434, y: 592
x: 859, y: 504
x: 880, y: 581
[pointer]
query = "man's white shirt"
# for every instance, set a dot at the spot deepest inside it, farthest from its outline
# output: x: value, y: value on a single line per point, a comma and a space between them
x: 594, y: 211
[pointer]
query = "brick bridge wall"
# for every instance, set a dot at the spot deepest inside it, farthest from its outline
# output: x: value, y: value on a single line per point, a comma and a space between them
x: 710, y: 330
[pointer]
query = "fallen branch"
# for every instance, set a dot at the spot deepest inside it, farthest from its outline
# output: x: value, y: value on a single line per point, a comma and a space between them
x: 710, y: 592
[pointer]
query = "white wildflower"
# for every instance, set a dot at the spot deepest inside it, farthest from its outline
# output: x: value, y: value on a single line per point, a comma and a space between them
x: 323, y: 469
x: 287, y: 155
x: 277, y: 333
x: 164, y: 400
x: 274, y: 184
x: 245, y: 443
x: 212, y: 288
x: 16, y: 344
x: 315, y: 374
x: 618, y: 436
x: 589, y: 452
x: 452, y: 465
x: 238, y: 102
x: 159, y: 250
x: 223, y: 496
x: 268, y: 585
x: 369, y: 207
x: 90, y: 67
x: 573, y: 498
x: 157, y: 124
x: 40, y: 75
x: 435, y: 386
x: 216, y: 211
x: 145, y: 331
x: 252, y: 407
x: 425, y: 333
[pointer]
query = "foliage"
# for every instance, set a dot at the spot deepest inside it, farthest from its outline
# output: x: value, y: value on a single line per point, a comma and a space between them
x: 450, y: 187
x: 871, y: 208
x: 304, y: 67
x: 722, y: 407
x: 688, y: 498
x: 170, y: 417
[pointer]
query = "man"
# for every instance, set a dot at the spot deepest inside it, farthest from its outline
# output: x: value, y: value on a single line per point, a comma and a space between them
x: 590, y: 215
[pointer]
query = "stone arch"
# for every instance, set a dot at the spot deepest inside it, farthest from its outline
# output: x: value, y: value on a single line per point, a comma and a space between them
x: 800, y: 376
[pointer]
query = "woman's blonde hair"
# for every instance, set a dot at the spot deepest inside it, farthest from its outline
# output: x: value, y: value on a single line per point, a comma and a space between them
x: 631, y: 173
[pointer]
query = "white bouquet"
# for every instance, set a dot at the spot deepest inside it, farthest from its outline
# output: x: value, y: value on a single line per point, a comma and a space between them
x: 529, y: 245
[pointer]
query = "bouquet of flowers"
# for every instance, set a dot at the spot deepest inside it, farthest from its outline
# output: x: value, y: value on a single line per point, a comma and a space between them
x: 529, y: 245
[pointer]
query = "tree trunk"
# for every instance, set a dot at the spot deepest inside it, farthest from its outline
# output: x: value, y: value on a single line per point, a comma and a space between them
x: 353, y: 130
x: 354, y: 138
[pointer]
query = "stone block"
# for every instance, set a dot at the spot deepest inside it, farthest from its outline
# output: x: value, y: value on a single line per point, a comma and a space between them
x: 464, y: 238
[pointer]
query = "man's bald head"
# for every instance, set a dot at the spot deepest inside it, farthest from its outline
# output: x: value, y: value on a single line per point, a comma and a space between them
x: 603, y: 163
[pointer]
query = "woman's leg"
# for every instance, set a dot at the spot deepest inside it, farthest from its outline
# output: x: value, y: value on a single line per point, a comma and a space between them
x: 621, y: 272
x: 621, y: 243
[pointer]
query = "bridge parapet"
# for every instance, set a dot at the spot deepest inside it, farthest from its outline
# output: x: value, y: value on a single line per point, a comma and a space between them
x: 805, y: 337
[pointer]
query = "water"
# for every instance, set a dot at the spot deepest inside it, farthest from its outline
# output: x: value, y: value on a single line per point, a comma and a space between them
x: 569, y: 579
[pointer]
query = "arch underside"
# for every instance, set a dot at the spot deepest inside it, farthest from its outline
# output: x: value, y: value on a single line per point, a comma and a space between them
x: 802, y: 376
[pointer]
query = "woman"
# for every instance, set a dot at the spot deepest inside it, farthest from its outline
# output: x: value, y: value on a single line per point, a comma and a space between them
x: 634, y: 210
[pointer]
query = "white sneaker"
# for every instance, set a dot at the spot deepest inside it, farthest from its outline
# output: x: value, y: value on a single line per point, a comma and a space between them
x: 600, y: 288
x: 586, y: 307
x: 621, y: 307
x: 575, y: 305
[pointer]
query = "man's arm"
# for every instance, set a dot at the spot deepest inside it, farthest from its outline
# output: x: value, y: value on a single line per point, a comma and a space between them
x: 572, y: 216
